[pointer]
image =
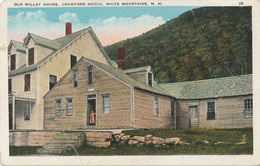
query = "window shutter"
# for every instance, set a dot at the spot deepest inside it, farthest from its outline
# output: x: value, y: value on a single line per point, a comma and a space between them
x: 13, y: 62
x: 31, y: 56
x: 27, y: 82
x: 73, y: 60
x: 9, y: 85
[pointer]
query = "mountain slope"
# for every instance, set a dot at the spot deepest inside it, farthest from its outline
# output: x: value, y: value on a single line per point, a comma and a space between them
x: 204, y: 43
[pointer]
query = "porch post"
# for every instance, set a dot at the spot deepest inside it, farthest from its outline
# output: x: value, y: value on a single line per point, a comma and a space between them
x: 13, y: 110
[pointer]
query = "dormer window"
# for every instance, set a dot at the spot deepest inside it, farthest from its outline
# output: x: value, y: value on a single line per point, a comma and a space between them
x: 30, y: 56
x: 150, y: 79
x: 13, y: 62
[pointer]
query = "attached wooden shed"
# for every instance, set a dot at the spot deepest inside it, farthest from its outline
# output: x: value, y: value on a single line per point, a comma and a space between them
x: 214, y: 103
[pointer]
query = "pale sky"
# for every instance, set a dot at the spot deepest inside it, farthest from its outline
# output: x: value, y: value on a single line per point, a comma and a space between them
x: 111, y: 24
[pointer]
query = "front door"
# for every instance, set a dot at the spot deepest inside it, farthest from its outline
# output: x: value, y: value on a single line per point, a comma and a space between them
x: 91, y: 110
x: 193, y: 117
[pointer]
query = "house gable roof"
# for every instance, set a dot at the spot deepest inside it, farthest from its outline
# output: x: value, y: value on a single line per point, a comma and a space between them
x: 58, y: 45
x: 118, y: 74
x: 211, y: 88
x: 17, y: 45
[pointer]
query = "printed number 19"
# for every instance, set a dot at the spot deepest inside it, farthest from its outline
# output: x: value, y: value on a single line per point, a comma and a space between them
x: 241, y: 3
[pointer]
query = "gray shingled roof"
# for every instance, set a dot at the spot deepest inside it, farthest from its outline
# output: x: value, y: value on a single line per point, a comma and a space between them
x: 211, y: 88
x: 119, y: 74
x: 42, y: 41
x: 23, y: 69
x: 17, y: 45
x: 56, y: 44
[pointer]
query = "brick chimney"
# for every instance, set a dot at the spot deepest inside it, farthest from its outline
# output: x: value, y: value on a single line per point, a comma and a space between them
x: 121, y: 58
x: 68, y: 28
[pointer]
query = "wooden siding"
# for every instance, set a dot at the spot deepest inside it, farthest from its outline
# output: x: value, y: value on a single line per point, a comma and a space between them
x: 140, y: 76
x: 119, y: 115
x: 144, y: 112
x: 229, y: 113
x: 41, y: 52
x: 20, y: 122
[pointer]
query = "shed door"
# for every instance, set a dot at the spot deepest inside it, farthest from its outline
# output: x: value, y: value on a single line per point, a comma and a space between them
x: 193, y: 117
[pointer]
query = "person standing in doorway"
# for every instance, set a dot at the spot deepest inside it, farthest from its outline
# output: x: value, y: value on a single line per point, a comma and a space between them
x: 92, y: 118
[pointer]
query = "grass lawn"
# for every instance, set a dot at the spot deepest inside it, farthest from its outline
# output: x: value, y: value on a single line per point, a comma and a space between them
x: 23, y: 150
x: 195, y: 137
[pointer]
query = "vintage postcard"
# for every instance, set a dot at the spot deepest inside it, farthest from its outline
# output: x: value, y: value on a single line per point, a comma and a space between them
x: 129, y: 82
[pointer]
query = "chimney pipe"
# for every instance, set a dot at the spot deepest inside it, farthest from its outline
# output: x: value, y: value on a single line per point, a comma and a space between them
x: 68, y: 28
x: 121, y: 58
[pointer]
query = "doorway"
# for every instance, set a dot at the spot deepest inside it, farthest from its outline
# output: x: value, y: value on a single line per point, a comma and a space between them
x: 10, y: 116
x: 91, y: 111
x: 193, y: 117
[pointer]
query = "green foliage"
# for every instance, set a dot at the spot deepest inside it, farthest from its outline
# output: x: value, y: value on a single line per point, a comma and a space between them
x: 243, y: 138
x: 208, y: 42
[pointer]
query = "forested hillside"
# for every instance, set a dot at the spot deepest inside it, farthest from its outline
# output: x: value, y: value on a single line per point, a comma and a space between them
x: 204, y: 43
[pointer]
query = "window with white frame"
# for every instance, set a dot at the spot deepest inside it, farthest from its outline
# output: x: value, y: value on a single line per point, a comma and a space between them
x: 69, y: 108
x: 75, y: 78
x: 58, y: 107
x: 248, y: 107
x: 105, y: 103
x: 27, y: 108
x: 211, y: 110
x: 155, y: 106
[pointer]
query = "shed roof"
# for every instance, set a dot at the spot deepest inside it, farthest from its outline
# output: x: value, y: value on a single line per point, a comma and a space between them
x: 211, y: 88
